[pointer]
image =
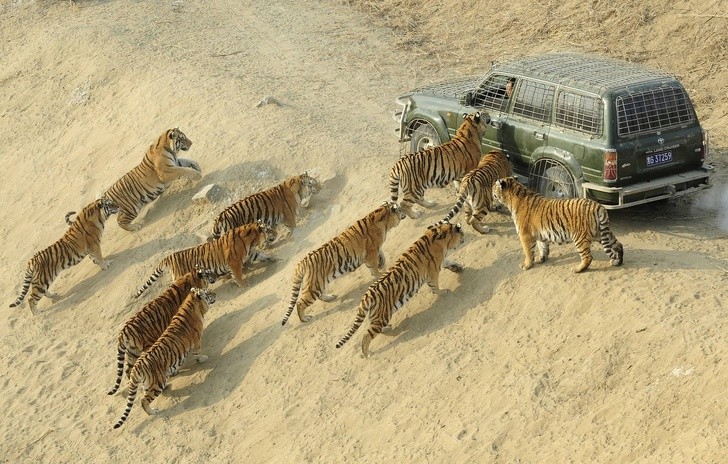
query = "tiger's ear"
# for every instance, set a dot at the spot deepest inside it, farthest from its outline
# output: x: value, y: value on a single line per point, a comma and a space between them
x: 458, y: 227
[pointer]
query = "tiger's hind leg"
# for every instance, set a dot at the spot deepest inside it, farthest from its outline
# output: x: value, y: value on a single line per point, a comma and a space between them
x: 543, y: 251
x: 307, y: 298
x: 583, y: 246
x: 124, y: 219
x: 475, y: 219
x: 426, y: 203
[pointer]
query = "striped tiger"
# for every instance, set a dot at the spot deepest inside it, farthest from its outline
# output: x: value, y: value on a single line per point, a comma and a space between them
x: 437, y: 166
x: 150, y: 178
x: 82, y: 238
x: 145, y: 327
x: 475, y: 196
x: 419, y: 264
x: 360, y: 243
x: 163, y: 359
x: 223, y: 256
x: 273, y: 206
x: 540, y: 221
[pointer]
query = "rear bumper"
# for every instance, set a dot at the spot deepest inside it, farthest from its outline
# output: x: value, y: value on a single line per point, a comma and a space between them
x: 663, y: 188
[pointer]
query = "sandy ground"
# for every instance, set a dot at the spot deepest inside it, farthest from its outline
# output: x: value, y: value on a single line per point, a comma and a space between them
x: 613, y: 365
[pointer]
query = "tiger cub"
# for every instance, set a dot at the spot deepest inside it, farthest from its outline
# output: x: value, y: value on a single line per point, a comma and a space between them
x: 419, y: 264
x: 145, y: 327
x: 475, y: 196
x: 163, y: 359
x: 437, y: 166
x: 360, y: 243
x: 150, y: 178
x: 540, y: 221
x: 82, y: 238
x: 273, y: 206
x: 222, y: 256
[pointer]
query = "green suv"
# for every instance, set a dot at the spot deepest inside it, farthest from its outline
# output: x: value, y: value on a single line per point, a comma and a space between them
x: 573, y: 125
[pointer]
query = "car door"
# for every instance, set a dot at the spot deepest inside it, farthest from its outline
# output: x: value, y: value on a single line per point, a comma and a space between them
x: 492, y: 97
x: 526, y: 128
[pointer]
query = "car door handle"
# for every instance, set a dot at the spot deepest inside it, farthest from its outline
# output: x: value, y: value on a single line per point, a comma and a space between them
x: 539, y: 135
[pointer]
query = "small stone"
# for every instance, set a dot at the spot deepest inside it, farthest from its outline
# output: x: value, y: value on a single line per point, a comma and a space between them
x: 211, y: 193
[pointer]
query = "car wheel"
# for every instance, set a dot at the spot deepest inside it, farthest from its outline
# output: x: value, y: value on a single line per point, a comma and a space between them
x: 555, y: 181
x: 424, y: 136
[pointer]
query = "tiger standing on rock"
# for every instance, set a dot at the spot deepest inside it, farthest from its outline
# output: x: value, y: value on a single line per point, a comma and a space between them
x: 540, y: 221
x: 360, y: 243
x: 475, y: 196
x: 163, y: 359
x: 145, y: 327
x: 150, y: 178
x: 419, y: 264
x: 222, y: 256
x: 437, y: 166
x: 279, y: 204
x: 82, y: 238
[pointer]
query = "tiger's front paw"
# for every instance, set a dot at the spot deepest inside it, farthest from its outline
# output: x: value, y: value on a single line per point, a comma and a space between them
x: 201, y: 358
x: 526, y: 266
x: 327, y: 297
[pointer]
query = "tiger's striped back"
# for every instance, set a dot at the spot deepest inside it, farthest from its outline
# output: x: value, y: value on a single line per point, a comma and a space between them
x: 164, y: 358
x: 145, y: 327
x: 82, y: 238
x: 475, y: 192
x: 419, y: 264
x: 540, y: 221
x: 437, y: 166
x: 152, y: 176
x: 278, y: 204
x: 360, y: 243
x: 222, y: 256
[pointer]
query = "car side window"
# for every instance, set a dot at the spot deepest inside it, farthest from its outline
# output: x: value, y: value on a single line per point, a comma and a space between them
x: 534, y: 100
x: 493, y: 94
x: 578, y: 112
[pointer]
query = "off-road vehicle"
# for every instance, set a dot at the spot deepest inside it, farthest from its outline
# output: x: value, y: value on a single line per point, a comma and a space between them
x: 573, y: 125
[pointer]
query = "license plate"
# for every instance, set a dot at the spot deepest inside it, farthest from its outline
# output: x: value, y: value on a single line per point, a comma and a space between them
x: 659, y: 158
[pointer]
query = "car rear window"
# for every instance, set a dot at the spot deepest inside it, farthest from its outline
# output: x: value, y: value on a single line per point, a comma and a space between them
x: 534, y: 100
x: 581, y: 113
x: 652, y: 110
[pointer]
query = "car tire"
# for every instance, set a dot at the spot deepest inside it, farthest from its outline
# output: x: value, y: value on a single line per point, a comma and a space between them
x: 555, y: 181
x: 422, y: 137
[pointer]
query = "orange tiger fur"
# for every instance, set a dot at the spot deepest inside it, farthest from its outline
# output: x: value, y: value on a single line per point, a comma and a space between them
x: 150, y: 178
x: 437, y: 166
x: 222, y: 256
x: 360, y: 243
x: 145, y: 327
x: 475, y: 195
x: 163, y: 359
x: 82, y: 238
x: 273, y: 206
x: 540, y: 221
x: 419, y: 264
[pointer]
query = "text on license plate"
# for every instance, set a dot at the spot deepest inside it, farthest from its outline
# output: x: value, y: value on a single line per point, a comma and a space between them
x: 659, y: 158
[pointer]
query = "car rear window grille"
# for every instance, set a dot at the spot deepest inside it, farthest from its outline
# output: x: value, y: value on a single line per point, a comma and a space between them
x: 653, y: 110
x: 579, y: 112
x: 534, y: 100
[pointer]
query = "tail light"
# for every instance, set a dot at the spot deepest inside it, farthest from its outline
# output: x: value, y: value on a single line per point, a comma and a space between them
x: 610, y: 165
x: 706, y: 146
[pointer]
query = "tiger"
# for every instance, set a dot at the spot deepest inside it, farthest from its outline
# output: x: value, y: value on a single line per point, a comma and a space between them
x: 360, y: 243
x: 420, y: 263
x: 222, y: 256
x: 437, y: 166
x: 540, y: 221
x: 278, y: 204
x: 150, y: 178
x: 82, y: 238
x: 164, y: 358
x: 475, y: 195
x: 145, y: 327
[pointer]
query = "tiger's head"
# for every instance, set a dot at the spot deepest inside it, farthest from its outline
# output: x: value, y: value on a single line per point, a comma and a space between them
x: 308, y: 186
x: 107, y: 207
x: 208, y: 296
x: 474, y: 125
x: 390, y: 213
x: 506, y: 189
x: 268, y: 234
x: 176, y: 140
x: 204, y: 276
